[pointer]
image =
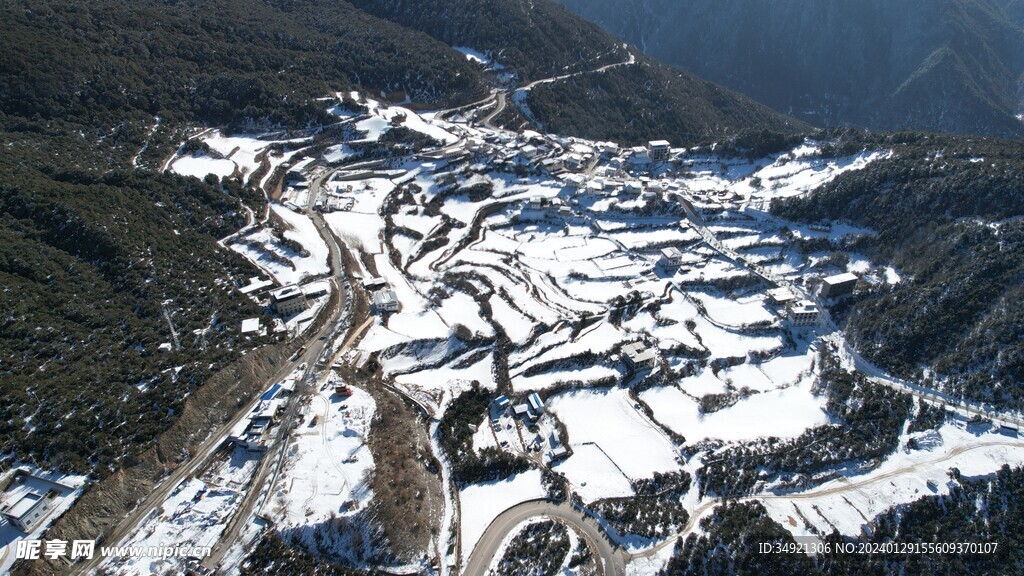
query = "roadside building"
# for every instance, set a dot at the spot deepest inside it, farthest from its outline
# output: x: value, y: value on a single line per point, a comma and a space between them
x: 536, y: 208
x: 375, y: 283
x: 250, y: 326
x: 558, y: 453
x: 838, y: 286
x: 639, y: 155
x: 454, y: 153
x: 316, y: 289
x: 781, y: 296
x: 575, y: 181
x: 502, y: 402
x: 255, y: 285
x: 288, y: 300
x: 549, y: 164
x: 573, y: 162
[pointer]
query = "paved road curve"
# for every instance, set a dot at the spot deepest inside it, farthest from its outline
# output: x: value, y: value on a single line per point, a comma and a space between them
x: 612, y: 560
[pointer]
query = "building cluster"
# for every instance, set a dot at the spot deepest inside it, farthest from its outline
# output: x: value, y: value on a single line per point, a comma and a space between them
x: 252, y: 432
x: 531, y: 409
x: 532, y: 412
x: 541, y: 208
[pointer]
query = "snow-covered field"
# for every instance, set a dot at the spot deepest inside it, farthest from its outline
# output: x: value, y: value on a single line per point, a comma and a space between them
x: 520, y: 280
x: 481, y: 503
x: 286, y: 265
x: 847, y: 504
x: 201, y: 166
x: 195, y: 514
x: 326, y: 462
x: 305, y: 233
x: 784, y: 413
x: 608, y: 420
x: 238, y: 154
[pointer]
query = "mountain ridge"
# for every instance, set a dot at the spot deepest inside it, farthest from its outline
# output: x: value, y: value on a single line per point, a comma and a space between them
x: 882, y: 65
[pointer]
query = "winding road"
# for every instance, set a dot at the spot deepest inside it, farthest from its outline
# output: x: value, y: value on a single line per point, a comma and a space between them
x: 613, y: 561
x: 257, y: 493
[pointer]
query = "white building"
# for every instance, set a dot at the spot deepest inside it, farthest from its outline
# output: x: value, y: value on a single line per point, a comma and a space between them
x: 30, y: 499
x: 671, y: 259
x: 385, y: 301
x: 639, y: 357
x: 255, y: 284
x: 538, y: 208
x: 454, y: 153
x: 781, y: 296
x: 549, y: 164
x: 536, y: 404
x: 640, y: 155
x: 658, y: 150
x: 29, y: 510
x: 804, y: 313
x: 576, y: 181
x: 288, y: 300
x: 838, y: 285
x: 250, y: 325
x: 573, y: 162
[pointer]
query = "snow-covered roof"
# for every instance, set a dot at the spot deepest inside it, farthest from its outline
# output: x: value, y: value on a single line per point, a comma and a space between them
x: 255, y: 283
x: 384, y: 297
x: 840, y: 279
x: 781, y: 295
x: 804, y: 307
x: 285, y: 293
x: 250, y: 325
x: 24, y: 504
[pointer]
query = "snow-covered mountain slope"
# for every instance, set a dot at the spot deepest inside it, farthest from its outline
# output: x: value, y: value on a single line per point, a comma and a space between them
x: 953, y: 65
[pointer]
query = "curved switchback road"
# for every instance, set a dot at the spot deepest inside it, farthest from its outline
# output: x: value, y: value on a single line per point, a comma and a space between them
x: 499, y: 107
x: 501, y: 96
x: 612, y: 561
